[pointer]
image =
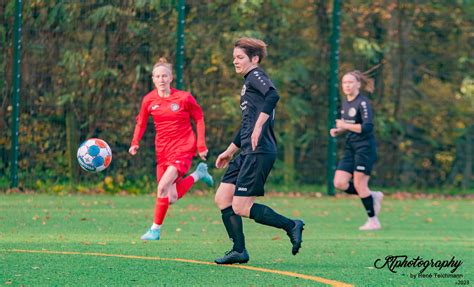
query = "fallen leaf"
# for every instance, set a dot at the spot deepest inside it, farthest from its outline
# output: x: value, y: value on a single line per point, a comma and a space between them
x: 296, y: 213
x: 277, y: 260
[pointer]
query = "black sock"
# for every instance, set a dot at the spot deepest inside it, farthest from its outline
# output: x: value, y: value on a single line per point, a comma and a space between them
x: 234, y: 227
x: 368, y: 203
x: 226, y: 213
x: 267, y: 216
x: 351, y: 189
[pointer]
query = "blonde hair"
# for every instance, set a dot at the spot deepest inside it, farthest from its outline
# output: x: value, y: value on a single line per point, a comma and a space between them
x: 162, y: 62
x: 252, y: 47
x: 366, y: 83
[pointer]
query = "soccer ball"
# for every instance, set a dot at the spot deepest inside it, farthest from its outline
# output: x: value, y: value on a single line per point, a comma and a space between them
x: 94, y: 155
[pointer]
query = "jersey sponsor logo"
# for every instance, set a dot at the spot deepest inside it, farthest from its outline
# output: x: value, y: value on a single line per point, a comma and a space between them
x: 154, y: 107
x: 174, y: 107
x: 352, y: 112
x: 360, y: 167
x: 242, y: 188
x: 244, y: 89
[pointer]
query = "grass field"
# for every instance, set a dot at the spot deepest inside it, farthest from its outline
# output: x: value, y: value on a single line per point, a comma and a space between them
x: 94, y: 241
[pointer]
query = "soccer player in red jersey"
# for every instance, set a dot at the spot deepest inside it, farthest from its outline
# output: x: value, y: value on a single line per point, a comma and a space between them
x: 175, y: 141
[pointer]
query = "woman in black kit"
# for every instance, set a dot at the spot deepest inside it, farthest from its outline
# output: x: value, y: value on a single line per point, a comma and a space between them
x: 360, y: 151
x: 246, y: 174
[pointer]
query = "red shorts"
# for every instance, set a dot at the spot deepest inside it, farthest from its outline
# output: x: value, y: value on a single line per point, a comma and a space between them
x: 182, y: 165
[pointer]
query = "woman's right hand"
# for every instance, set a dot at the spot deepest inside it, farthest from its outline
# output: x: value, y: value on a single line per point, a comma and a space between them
x: 223, y: 159
x: 334, y: 132
x: 133, y: 149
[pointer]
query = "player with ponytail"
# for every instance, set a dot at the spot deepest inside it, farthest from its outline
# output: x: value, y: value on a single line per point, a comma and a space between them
x: 360, y: 151
x: 175, y: 141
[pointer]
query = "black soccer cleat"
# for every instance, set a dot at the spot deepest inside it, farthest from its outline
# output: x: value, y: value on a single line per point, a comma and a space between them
x: 232, y: 257
x: 296, y: 236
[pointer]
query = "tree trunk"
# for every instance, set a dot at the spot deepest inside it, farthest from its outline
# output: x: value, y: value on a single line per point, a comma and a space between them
x: 71, y: 139
x: 289, y: 154
x: 401, y: 61
x: 467, y: 174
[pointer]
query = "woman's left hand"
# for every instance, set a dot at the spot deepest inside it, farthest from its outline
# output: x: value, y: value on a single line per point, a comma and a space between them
x: 255, y: 136
x: 203, y: 154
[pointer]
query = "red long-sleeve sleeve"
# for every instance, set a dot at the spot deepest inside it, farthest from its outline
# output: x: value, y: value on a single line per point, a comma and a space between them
x: 141, y: 121
x: 198, y: 117
x: 172, y: 116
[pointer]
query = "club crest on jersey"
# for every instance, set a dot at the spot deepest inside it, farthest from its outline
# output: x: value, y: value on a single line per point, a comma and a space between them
x: 174, y: 107
x: 352, y: 112
x: 244, y: 89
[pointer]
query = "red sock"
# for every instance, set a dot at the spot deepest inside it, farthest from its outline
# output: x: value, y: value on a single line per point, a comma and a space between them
x: 161, y: 208
x: 184, y: 185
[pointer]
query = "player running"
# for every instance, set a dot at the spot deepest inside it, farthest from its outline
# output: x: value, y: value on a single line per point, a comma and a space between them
x: 246, y: 174
x: 360, y: 149
x: 175, y: 142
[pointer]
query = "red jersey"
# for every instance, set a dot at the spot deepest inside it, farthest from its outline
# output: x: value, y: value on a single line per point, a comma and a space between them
x: 174, y: 137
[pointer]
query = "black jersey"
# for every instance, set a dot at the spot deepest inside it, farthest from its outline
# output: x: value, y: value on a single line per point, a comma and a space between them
x: 254, y: 99
x: 358, y: 111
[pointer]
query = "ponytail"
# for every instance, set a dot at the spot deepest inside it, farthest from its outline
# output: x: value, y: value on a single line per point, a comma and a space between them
x: 366, y: 83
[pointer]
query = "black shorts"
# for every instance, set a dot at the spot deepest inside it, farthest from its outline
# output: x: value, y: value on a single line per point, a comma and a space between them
x: 359, y: 156
x: 249, y: 172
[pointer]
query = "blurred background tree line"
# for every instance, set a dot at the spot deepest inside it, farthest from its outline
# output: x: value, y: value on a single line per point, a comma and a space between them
x: 86, y: 66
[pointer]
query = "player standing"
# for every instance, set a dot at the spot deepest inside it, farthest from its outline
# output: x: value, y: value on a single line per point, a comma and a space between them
x: 245, y: 177
x: 175, y: 142
x: 360, y: 151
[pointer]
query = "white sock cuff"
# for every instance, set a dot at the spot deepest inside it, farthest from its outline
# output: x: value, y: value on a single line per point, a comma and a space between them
x: 195, y: 176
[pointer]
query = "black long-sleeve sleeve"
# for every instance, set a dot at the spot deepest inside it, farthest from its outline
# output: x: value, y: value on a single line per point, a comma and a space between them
x: 367, y: 125
x: 271, y: 99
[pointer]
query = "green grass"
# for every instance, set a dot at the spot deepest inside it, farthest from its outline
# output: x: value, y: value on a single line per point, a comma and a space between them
x: 333, y: 248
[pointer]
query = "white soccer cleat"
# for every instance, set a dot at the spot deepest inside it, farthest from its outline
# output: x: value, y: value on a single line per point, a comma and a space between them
x: 372, y: 223
x: 377, y: 197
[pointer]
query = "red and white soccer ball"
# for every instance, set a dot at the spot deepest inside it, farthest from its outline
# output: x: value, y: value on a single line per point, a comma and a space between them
x: 94, y: 155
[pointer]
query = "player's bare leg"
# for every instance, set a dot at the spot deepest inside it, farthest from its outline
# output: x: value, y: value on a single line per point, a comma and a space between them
x: 361, y: 183
x: 165, y: 189
x: 342, y: 181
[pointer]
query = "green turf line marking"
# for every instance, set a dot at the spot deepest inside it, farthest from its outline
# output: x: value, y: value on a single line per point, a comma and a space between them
x: 286, y: 273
